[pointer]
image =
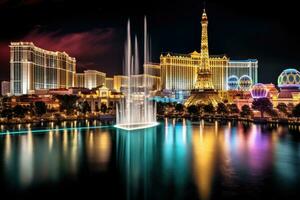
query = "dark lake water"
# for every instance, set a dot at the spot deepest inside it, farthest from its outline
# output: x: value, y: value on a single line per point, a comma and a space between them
x: 175, y: 160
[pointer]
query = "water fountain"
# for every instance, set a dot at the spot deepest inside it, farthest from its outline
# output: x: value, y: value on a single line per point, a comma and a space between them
x: 135, y: 110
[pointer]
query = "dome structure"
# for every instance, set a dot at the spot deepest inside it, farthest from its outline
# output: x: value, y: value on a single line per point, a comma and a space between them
x: 259, y: 90
x: 289, y: 78
x: 233, y: 82
x: 245, y: 82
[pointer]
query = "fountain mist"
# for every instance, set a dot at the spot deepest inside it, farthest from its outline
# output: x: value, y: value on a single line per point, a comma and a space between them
x: 135, y: 111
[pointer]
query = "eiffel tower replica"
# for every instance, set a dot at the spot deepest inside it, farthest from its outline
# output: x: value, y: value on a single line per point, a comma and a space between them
x: 204, y: 92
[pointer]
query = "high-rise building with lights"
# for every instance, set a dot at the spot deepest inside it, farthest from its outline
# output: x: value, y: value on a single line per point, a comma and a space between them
x: 152, y: 76
x: 79, y: 80
x: 109, y: 83
x: 179, y: 71
x: 33, y: 68
x: 241, y: 68
x: 153, y: 69
x: 93, y: 78
x: 5, y: 88
x: 120, y: 82
x: 140, y: 81
x: 218, y: 65
x: 146, y: 81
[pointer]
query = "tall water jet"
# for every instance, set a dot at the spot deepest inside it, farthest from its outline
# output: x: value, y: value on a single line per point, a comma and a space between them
x: 135, y: 110
x: 145, y: 41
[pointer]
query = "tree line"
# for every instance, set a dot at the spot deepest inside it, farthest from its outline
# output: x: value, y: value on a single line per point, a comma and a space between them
x: 262, y: 105
x: 68, y: 104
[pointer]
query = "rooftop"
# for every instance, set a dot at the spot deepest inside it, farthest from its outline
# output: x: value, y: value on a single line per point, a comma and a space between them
x: 188, y: 55
x: 31, y: 44
x: 246, y: 60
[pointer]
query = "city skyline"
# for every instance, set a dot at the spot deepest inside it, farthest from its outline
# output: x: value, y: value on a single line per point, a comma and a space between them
x: 98, y: 44
x: 158, y: 99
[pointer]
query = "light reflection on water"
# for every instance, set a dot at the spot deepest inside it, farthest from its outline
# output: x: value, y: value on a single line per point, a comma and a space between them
x: 175, y: 160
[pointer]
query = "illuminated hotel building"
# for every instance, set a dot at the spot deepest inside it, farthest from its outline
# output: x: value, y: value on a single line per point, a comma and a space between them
x: 79, y: 80
x: 146, y: 81
x: 179, y: 71
x: 5, y: 88
x: 153, y: 83
x: 219, y: 65
x: 93, y: 78
x: 33, y: 68
x: 152, y: 69
x: 240, y: 68
x: 152, y: 75
x: 109, y: 83
x: 120, y: 81
x: 142, y: 81
x: 101, y: 95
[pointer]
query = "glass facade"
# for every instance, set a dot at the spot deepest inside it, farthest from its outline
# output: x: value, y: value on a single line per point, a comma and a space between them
x: 152, y: 69
x: 5, y: 88
x: 240, y: 68
x: 120, y: 82
x: 109, y: 83
x: 179, y: 71
x: 79, y: 80
x: 93, y: 79
x: 34, y: 68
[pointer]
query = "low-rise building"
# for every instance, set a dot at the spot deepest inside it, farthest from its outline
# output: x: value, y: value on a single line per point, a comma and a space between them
x: 5, y: 88
x: 102, y: 95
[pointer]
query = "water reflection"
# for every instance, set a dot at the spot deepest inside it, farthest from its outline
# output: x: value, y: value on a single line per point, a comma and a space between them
x: 208, y: 154
x: 26, y: 159
x: 31, y: 159
x: 135, y: 155
x: 203, y: 145
x: 98, y: 150
x: 175, y: 160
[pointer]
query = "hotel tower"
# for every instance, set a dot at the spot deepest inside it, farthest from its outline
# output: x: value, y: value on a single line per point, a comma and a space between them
x: 33, y: 68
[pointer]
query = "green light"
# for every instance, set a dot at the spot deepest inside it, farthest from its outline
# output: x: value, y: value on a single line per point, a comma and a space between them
x: 48, y: 130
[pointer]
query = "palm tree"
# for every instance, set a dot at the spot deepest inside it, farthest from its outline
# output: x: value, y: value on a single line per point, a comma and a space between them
x: 282, y: 107
x: 262, y: 105
x: 103, y: 108
x: 201, y: 107
x: 193, y: 110
x: 7, y: 113
x: 160, y: 108
x: 179, y: 107
x: 67, y: 102
x: 296, y: 111
x: 233, y: 108
x: 19, y: 111
x: 246, y: 111
x: 222, y: 108
x: 84, y: 107
x: 209, y: 108
x: 40, y: 108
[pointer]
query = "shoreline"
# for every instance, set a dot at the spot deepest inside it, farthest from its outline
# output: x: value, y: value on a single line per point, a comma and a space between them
x: 101, y: 118
x: 255, y: 120
x: 111, y: 119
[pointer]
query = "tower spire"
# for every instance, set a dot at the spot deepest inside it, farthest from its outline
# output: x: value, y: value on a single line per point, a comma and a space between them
x: 204, y: 78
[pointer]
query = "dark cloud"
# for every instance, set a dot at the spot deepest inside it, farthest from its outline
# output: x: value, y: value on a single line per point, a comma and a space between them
x: 95, y: 49
x: 93, y: 31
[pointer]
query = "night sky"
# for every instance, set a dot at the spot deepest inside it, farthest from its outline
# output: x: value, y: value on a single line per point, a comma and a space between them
x: 94, y: 33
